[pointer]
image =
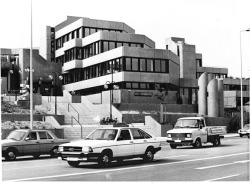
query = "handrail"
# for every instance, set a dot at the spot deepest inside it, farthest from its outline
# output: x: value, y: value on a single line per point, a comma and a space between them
x: 69, y: 104
x: 72, y: 117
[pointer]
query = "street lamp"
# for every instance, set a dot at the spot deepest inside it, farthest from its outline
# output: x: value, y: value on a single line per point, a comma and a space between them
x: 241, y: 90
x: 60, y: 77
x: 106, y: 86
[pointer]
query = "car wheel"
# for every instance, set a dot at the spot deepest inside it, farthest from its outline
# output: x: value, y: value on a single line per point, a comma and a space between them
x: 149, y: 155
x: 74, y: 163
x: 197, y: 143
x: 216, y: 142
x: 241, y: 135
x: 36, y: 156
x: 104, y: 159
x: 53, y: 152
x: 10, y: 154
x: 173, y: 146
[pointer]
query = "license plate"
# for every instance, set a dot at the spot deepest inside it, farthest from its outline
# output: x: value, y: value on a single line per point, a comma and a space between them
x: 177, y: 140
x: 72, y: 159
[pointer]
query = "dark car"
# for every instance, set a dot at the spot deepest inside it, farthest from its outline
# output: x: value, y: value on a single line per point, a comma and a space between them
x: 30, y: 142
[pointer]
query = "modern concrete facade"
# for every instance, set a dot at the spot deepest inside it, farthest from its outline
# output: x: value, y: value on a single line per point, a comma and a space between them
x: 107, y: 60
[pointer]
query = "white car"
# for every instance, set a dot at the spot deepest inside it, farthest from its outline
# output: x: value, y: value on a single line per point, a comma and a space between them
x: 245, y: 131
x: 104, y: 145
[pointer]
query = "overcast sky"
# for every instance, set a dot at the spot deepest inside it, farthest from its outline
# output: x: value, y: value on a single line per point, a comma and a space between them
x: 212, y: 25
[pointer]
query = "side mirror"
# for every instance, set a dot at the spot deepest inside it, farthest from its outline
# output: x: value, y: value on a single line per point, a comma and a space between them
x: 200, y: 127
x: 27, y: 138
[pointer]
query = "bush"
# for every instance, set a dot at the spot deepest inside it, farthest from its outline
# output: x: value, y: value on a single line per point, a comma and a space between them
x: 234, y: 124
x: 25, y: 124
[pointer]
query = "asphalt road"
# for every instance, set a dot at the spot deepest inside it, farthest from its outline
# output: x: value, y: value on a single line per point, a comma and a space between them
x: 228, y: 162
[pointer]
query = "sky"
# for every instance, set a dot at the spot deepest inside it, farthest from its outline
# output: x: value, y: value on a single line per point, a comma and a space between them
x: 213, y: 26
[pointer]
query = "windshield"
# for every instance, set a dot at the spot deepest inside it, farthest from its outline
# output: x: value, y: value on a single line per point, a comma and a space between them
x: 186, y: 123
x: 246, y: 127
x: 16, y: 135
x: 103, y: 134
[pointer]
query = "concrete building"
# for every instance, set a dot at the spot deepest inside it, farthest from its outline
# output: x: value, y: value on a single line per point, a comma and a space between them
x: 107, y: 60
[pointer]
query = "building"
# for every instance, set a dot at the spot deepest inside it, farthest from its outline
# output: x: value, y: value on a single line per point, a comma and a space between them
x: 107, y: 61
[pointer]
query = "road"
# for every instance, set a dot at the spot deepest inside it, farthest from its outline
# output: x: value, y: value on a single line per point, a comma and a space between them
x: 228, y: 162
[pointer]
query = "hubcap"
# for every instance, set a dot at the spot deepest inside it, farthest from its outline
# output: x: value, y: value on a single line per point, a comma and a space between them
x: 11, y: 154
x: 105, y: 159
x: 149, y: 155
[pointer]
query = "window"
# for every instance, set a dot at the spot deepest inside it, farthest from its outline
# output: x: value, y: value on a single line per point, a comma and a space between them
x: 150, y: 65
x: 157, y: 66
x: 142, y: 65
x: 124, y: 135
x: 42, y: 135
x: 135, y: 64
x: 105, y: 46
x: 32, y: 136
x: 111, y: 45
x: 135, y: 85
x: 128, y: 64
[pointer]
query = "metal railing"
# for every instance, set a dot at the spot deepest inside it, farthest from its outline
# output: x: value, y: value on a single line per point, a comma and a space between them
x: 78, y: 115
x: 72, y: 117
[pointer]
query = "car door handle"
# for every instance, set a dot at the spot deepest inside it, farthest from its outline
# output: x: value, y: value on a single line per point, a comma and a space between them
x: 131, y: 142
x: 51, y: 141
x: 145, y: 141
x: 37, y: 142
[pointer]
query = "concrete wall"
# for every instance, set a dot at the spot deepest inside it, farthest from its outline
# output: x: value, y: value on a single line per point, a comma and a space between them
x: 26, y: 117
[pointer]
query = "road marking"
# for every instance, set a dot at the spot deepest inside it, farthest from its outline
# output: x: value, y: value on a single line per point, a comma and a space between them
x: 214, y: 166
x: 222, y: 178
x: 128, y: 168
x: 63, y: 163
x: 33, y: 167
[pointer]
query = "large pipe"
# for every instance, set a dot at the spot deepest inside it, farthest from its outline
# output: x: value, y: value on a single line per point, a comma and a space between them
x: 212, y: 100
x: 221, y: 97
x: 202, y: 94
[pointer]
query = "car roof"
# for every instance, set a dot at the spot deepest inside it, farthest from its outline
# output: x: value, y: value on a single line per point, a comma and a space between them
x: 191, y: 118
x: 111, y: 127
x: 33, y: 130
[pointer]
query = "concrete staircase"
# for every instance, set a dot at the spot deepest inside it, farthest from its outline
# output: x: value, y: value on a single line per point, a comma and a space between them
x: 74, y: 132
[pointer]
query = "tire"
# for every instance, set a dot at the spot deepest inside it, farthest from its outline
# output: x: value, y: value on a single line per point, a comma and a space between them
x: 241, y: 135
x: 197, y: 143
x: 10, y: 154
x: 74, y: 163
x: 104, y: 159
x: 216, y: 142
x: 149, y: 155
x: 53, y: 152
x: 173, y: 146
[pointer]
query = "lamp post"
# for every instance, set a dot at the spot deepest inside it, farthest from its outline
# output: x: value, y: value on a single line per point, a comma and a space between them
x: 53, y: 76
x: 111, y: 97
x: 241, y: 90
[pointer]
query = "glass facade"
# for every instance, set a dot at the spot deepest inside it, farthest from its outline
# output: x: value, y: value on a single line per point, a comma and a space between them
x: 119, y: 64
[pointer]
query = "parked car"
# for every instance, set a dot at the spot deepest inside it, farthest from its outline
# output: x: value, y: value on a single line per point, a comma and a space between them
x: 30, y: 142
x: 106, y: 144
x: 245, y: 131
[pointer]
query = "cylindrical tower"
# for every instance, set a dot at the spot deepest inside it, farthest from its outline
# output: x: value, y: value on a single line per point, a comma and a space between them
x: 202, y: 94
x: 221, y: 97
x: 212, y: 99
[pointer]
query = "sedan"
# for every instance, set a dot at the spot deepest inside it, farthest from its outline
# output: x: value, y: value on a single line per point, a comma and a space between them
x: 30, y: 142
x: 104, y: 145
x: 245, y: 131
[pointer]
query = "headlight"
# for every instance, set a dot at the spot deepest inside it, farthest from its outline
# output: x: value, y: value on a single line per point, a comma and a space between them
x: 169, y: 135
x: 188, y: 135
x: 60, y: 148
x: 87, y: 150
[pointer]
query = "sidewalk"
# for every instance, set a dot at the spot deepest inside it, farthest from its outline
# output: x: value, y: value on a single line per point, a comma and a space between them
x: 231, y: 135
